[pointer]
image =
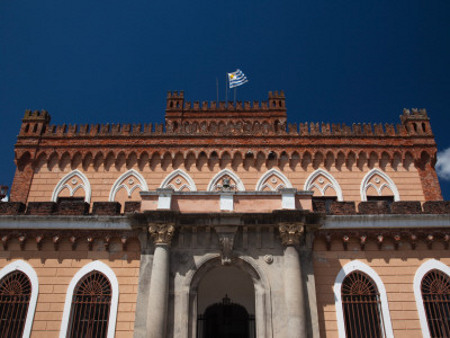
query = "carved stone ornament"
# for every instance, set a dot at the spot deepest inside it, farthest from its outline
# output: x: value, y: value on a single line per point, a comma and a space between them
x: 291, y: 232
x: 226, y: 241
x: 161, y: 233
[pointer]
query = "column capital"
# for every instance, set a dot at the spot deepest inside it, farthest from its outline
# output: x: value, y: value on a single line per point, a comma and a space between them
x: 161, y: 233
x: 291, y: 232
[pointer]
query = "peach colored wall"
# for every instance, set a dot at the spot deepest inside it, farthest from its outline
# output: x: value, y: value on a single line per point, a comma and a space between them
x: 55, y: 270
x: 102, y: 179
x: 396, y: 269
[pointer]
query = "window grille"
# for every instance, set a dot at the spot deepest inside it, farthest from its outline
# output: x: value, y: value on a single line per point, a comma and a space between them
x: 362, y: 307
x: 436, y: 300
x: 15, y: 293
x: 90, y: 307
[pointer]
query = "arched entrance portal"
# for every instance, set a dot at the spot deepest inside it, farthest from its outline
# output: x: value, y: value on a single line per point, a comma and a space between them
x: 226, y: 304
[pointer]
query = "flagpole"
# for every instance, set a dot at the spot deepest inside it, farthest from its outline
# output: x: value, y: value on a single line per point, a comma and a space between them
x: 217, y: 88
x: 226, y: 90
x: 234, y: 96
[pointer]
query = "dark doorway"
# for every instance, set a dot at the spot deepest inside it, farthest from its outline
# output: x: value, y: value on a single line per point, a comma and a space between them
x: 226, y: 320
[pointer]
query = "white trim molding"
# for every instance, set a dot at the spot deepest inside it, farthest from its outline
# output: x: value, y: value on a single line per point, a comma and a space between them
x: 334, y: 184
x: 182, y: 173
x: 346, y: 270
x: 117, y: 184
x: 426, y: 267
x: 226, y: 172
x: 85, y: 185
x: 286, y: 183
x: 26, y: 268
x: 390, y: 184
x: 109, y: 273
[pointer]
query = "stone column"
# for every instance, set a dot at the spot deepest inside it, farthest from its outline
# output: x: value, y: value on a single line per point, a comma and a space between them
x: 159, y: 282
x: 293, y: 290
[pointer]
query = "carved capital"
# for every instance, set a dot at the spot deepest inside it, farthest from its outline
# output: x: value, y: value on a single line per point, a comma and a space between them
x: 162, y: 233
x: 290, y: 233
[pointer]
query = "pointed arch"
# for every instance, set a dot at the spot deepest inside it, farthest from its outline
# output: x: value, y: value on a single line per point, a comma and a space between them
x: 63, y: 184
x: 182, y: 173
x: 358, y: 266
x: 222, y: 173
x: 309, y: 184
x: 365, y: 184
x: 119, y: 184
x: 95, y: 266
x: 25, y: 268
x: 421, y: 272
x: 273, y: 172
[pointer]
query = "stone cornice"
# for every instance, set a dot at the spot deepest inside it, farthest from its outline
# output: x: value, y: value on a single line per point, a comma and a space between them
x: 385, y: 221
x: 396, y: 236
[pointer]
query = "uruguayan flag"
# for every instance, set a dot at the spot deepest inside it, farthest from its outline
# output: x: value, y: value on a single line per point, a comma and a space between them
x: 236, y: 78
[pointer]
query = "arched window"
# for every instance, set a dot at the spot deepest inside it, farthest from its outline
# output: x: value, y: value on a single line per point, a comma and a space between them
x: 19, y: 289
x: 361, y: 305
x: 362, y: 308
x: 435, y: 290
x: 90, y: 306
x: 15, y: 294
x: 90, y: 309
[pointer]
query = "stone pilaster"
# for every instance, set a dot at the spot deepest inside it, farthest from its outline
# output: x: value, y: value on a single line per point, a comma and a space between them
x: 291, y: 234
x: 162, y: 235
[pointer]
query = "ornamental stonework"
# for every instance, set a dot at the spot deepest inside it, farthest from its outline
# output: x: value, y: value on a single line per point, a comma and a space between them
x: 162, y: 233
x: 291, y: 233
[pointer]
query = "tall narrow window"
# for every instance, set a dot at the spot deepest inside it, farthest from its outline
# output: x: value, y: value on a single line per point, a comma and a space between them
x: 90, y: 307
x: 361, y: 306
x: 436, y: 300
x: 15, y: 294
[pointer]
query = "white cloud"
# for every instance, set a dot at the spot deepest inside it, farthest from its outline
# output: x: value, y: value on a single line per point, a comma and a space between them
x: 443, y: 164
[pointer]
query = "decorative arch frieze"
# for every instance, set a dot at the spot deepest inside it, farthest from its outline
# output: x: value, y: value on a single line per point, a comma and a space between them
x: 126, y: 181
x: 321, y: 180
x: 217, y: 181
x: 26, y: 268
x: 73, y: 181
x: 423, y: 270
x: 179, y: 180
x: 346, y: 270
x: 110, y: 275
x: 377, y: 181
x: 273, y: 180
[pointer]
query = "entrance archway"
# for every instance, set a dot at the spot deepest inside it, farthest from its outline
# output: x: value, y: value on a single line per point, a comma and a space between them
x: 189, y: 303
x: 226, y: 304
x: 226, y: 320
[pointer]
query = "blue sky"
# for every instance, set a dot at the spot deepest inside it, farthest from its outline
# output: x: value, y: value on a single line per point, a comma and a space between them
x: 113, y: 61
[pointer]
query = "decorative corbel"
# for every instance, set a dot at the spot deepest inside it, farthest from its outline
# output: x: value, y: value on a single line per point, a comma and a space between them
x: 362, y: 241
x: 380, y: 239
x: 446, y: 240
x: 413, y: 240
x: 345, y: 240
x: 107, y: 242
x: 124, y: 241
x: 73, y: 242
x: 39, y: 239
x: 5, y: 242
x: 162, y: 233
x: 328, y: 241
x: 290, y: 233
x: 397, y: 239
x: 90, y: 241
x: 56, y: 239
x: 22, y: 239
x: 430, y: 240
